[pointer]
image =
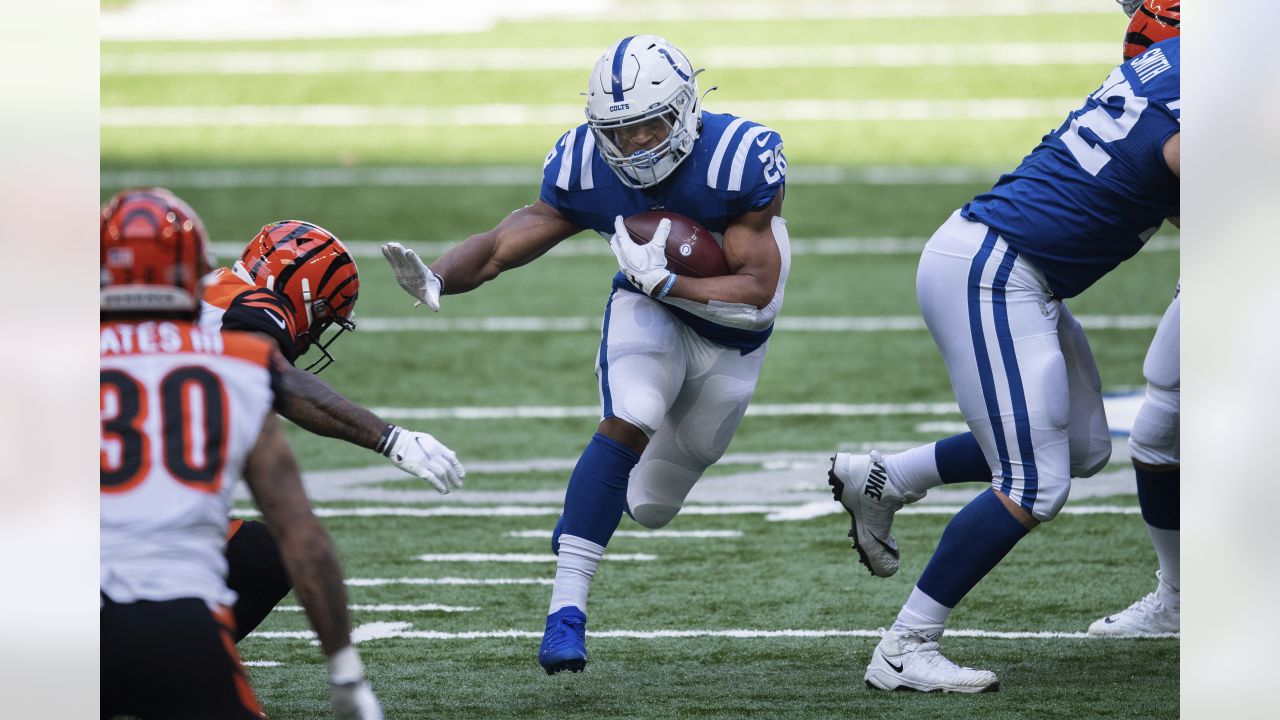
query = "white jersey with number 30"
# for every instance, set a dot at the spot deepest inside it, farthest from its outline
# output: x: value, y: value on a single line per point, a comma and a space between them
x: 181, y: 409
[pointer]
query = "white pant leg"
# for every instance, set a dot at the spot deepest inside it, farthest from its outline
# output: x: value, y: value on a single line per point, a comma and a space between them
x: 1156, y: 430
x: 698, y: 429
x: 993, y: 318
x: 1088, y: 434
x: 641, y: 363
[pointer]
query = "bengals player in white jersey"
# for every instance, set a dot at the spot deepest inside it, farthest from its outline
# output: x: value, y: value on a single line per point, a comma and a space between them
x: 185, y: 410
x: 296, y: 284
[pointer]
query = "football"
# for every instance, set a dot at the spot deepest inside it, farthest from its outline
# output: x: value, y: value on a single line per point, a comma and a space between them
x: 691, y: 249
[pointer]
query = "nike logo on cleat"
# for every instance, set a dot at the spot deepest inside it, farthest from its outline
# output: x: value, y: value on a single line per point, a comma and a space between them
x: 1108, y: 620
x: 875, y: 482
x: 896, y: 668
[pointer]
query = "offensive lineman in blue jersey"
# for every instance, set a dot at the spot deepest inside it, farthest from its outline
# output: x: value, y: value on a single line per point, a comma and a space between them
x: 680, y: 356
x: 991, y: 286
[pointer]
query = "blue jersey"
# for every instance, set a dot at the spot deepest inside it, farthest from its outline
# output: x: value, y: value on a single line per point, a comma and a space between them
x: 1093, y: 191
x: 736, y: 166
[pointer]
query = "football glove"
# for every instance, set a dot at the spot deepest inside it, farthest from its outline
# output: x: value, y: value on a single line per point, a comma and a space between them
x: 414, y: 276
x: 644, y: 265
x: 1130, y: 6
x: 420, y: 454
x: 353, y: 699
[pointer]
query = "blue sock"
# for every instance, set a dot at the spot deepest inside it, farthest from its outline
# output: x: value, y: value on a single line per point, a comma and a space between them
x: 975, y: 541
x: 1159, y: 497
x: 597, y: 493
x: 960, y: 460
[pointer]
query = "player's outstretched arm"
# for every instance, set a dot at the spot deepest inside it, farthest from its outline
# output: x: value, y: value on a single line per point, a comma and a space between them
x: 272, y: 475
x: 755, y: 263
x: 521, y: 237
x: 316, y: 407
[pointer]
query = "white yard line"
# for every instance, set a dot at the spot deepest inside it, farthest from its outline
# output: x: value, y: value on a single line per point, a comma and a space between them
x: 775, y: 511
x: 736, y: 634
x: 450, y: 581
x: 519, y: 557
x: 642, y: 534
x: 520, y: 115
x: 509, y: 59
x: 550, y: 412
x: 262, y: 663
x: 386, y: 608
x: 506, y: 175
x: 813, y: 324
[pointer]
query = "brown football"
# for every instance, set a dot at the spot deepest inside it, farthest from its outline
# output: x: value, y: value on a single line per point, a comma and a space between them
x: 691, y: 250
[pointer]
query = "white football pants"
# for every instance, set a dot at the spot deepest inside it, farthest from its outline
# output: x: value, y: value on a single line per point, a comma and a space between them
x: 1020, y: 365
x: 685, y: 392
x: 1156, y: 430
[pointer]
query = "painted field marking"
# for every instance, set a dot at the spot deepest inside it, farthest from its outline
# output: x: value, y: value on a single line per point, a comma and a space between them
x: 383, y: 608
x: 518, y: 557
x: 386, y: 582
x: 522, y: 115
x: 423, y: 60
x: 820, y: 324
x: 776, y: 512
x: 262, y: 663
x: 643, y: 534
x: 595, y: 247
x: 553, y: 412
x: 737, y: 634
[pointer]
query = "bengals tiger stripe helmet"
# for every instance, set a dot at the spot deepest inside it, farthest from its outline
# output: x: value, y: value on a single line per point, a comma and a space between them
x: 154, y: 252
x: 1154, y: 20
x: 311, y: 268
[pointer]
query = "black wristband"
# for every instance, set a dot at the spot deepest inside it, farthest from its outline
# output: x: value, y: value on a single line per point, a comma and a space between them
x: 388, y: 439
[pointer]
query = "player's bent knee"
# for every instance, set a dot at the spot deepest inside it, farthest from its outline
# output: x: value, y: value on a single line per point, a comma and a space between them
x: 1155, y: 438
x: 1050, y: 500
x: 642, y: 407
x: 654, y: 515
x: 1092, y: 462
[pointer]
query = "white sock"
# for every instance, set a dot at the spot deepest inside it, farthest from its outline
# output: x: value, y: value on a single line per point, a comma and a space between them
x: 914, y: 472
x: 1166, y: 543
x: 922, y: 614
x: 575, y: 566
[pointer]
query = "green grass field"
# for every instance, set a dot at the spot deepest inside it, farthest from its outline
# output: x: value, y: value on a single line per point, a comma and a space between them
x: 773, y: 574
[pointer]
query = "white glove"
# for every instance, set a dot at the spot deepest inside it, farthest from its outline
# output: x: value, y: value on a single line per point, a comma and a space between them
x: 1130, y: 6
x: 419, y: 454
x: 644, y: 265
x: 353, y: 699
x: 414, y: 275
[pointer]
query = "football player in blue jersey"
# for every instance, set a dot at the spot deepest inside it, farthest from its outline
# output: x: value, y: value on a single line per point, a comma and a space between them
x: 992, y: 285
x: 679, y: 356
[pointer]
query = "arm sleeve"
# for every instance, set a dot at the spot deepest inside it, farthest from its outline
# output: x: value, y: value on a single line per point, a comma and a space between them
x: 263, y: 311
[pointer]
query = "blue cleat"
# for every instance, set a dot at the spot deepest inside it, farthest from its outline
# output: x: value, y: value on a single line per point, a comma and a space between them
x: 564, y: 644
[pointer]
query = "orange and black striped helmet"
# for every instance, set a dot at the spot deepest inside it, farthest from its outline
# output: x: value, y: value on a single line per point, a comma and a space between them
x: 1154, y: 20
x: 313, y: 270
x: 154, y: 253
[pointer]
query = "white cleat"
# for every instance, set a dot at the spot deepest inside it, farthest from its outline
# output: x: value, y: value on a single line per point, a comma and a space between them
x: 862, y: 486
x: 1147, y: 616
x: 908, y: 661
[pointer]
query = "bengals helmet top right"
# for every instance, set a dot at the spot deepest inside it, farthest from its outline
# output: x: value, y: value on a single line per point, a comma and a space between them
x: 1154, y: 20
x: 313, y: 270
x: 153, y: 253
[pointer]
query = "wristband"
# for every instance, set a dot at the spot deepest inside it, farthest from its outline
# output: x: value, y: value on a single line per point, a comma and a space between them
x: 345, y: 666
x: 439, y: 279
x: 666, y: 288
x: 387, y: 440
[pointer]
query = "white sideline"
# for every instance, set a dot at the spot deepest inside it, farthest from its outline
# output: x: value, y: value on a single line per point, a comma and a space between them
x: 776, y: 512
x: 509, y: 59
x: 686, y: 634
x: 452, y: 581
x: 841, y: 324
x: 642, y: 534
x: 520, y: 114
x: 595, y: 247
x: 520, y: 557
x: 386, y: 608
